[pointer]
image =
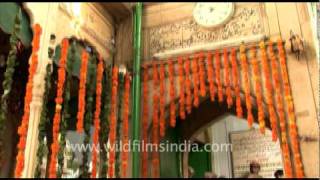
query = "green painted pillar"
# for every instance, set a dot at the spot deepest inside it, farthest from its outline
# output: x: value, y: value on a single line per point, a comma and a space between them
x: 136, y: 89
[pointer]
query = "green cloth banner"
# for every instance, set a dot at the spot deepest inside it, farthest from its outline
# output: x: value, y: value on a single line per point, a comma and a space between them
x: 8, y: 12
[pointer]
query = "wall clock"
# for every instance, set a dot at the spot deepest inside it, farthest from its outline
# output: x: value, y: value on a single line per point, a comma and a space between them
x: 211, y: 15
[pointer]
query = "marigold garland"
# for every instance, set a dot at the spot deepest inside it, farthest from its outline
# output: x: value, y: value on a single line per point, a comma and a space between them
x: 258, y: 88
x: 196, y: 83
x: 172, y: 95
x: 236, y: 82
x: 188, y: 86
x: 96, y: 122
x: 89, y: 115
x: 59, y: 101
x: 104, y: 121
x: 245, y: 67
x: 42, y: 150
x: 182, y: 90
x: 155, y: 122
x: 292, y: 121
x: 144, y: 161
x: 82, y: 91
x: 202, y: 75
x: 113, y: 121
x: 280, y: 109
x: 210, y: 70
x: 23, y: 128
x: 217, y: 68
x: 227, y: 77
x: 269, y: 92
x: 162, y: 100
x: 7, y: 81
x: 125, y: 135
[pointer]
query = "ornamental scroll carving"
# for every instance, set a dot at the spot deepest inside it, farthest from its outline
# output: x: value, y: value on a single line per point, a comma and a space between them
x: 246, y: 21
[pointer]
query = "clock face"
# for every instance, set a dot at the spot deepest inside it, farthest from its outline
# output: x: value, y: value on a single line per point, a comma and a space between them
x: 212, y: 14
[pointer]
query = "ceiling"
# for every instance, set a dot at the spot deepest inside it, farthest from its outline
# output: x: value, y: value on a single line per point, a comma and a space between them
x: 118, y: 11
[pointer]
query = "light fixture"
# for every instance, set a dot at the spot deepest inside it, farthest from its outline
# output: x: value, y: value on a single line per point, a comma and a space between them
x: 73, y: 8
x: 122, y: 69
x: 296, y: 44
x: 76, y: 9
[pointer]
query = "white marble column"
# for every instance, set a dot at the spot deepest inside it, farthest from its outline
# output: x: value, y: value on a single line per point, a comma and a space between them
x: 40, y: 13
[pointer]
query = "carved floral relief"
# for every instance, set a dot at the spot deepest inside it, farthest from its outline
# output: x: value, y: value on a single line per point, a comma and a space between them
x: 246, y: 21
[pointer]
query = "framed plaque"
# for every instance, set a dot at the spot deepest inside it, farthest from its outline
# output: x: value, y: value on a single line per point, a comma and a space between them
x: 250, y: 146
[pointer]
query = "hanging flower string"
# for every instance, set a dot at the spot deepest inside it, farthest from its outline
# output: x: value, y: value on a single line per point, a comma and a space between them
x: 162, y: 100
x: 23, y: 128
x: 227, y: 77
x: 212, y: 88
x: 182, y: 89
x: 113, y: 121
x: 144, y: 162
x: 155, y: 121
x: 236, y: 82
x: 96, y: 122
x: 195, y: 81
x: 82, y: 91
x: 245, y: 67
x: 188, y: 86
x: 281, y: 113
x: 172, y: 95
x: 59, y: 102
x: 217, y: 68
x: 269, y: 92
x: 202, y: 75
x: 258, y: 89
x: 292, y: 121
x: 125, y: 135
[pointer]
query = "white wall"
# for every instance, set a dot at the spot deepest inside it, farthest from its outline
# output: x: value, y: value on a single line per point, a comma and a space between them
x: 221, y: 160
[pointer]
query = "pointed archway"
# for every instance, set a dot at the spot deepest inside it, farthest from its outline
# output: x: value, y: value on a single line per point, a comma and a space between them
x: 203, y: 117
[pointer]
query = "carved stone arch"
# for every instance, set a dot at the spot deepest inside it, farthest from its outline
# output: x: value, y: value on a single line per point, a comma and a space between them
x: 54, y: 18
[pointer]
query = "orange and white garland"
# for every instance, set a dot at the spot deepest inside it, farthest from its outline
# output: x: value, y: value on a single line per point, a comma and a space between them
x: 281, y: 113
x: 217, y: 68
x: 82, y: 91
x: 144, y: 160
x: 162, y: 100
x: 236, y: 82
x: 113, y: 121
x: 210, y: 70
x: 125, y: 135
x: 227, y: 78
x: 182, y: 90
x: 195, y: 76
x: 96, y: 122
x: 23, y: 128
x: 155, y: 122
x: 258, y: 89
x: 292, y: 121
x: 172, y: 95
x: 202, y: 75
x: 269, y: 92
x: 188, y: 86
x: 59, y: 102
x: 245, y: 67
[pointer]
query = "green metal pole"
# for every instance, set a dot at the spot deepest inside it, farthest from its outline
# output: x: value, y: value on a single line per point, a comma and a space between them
x: 136, y: 89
